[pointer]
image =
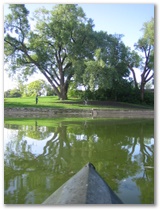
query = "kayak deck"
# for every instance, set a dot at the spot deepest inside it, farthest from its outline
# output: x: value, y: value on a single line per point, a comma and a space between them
x: 85, y: 187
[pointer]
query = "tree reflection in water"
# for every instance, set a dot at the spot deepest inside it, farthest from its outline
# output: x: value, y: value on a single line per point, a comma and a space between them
x: 39, y: 159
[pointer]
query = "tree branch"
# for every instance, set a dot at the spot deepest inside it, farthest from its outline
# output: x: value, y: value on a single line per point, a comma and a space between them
x: 134, y: 76
x: 150, y: 78
x: 72, y: 38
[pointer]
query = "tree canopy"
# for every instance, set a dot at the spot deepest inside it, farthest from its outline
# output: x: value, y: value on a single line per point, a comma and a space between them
x: 60, y: 37
x: 144, y: 61
x: 62, y: 45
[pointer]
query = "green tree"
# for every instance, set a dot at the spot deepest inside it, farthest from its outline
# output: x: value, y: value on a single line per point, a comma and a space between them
x: 95, y: 72
x: 108, y: 68
x: 145, y: 61
x: 49, y: 90
x: 13, y: 93
x: 60, y: 37
x: 36, y: 87
x: 7, y: 94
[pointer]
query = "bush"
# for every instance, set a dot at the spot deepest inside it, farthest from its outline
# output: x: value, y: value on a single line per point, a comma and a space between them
x: 149, y: 98
x: 100, y: 94
x: 74, y: 93
x: 14, y: 93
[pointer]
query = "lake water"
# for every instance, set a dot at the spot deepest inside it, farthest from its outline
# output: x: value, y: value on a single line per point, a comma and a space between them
x: 41, y: 154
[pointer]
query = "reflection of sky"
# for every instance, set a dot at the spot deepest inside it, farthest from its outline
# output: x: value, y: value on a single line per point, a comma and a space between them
x: 127, y: 191
x: 12, y: 186
x: 8, y: 135
x: 148, y: 142
x: 83, y: 137
x: 36, y: 146
x: 80, y: 137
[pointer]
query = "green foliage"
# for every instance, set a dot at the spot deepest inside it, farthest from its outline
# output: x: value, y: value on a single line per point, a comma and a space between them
x: 14, y: 93
x: 148, y: 29
x: 73, y: 92
x: 34, y: 88
x: 132, y: 58
x: 101, y: 95
x: 7, y: 94
x: 49, y: 90
x: 144, y: 61
x: 16, y: 31
x: 108, y: 66
x: 60, y: 37
x: 146, y: 46
x: 62, y: 47
x: 95, y: 72
x: 65, y: 49
x: 149, y: 98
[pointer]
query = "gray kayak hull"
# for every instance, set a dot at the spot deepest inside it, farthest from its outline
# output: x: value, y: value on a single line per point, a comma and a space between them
x: 85, y: 187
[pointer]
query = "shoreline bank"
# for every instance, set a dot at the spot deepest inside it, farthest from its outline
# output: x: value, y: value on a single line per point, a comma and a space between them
x: 95, y: 113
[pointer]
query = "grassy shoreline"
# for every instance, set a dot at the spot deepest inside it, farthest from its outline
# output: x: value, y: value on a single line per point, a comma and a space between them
x: 54, y: 103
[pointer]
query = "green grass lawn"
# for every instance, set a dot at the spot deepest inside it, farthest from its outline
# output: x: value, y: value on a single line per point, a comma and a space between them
x: 31, y: 102
x: 54, y: 102
x: 47, y: 102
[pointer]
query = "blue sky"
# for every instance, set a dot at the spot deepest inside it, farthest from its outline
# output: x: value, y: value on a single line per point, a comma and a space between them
x: 126, y: 19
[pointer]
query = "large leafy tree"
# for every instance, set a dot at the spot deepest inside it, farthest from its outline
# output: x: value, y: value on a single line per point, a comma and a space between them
x: 107, y: 70
x: 146, y: 46
x: 59, y: 38
x: 145, y: 60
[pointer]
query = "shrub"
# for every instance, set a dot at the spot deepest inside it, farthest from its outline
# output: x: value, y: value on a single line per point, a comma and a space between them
x: 14, y: 93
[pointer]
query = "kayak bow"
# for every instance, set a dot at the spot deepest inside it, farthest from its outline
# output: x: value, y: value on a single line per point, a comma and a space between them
x: 85, y: 187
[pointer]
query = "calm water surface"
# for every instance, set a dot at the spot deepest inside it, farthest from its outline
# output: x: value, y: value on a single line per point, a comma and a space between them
x: 40, y: 155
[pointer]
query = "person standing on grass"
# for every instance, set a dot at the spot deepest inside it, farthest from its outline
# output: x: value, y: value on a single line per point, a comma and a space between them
x: 37, y: 99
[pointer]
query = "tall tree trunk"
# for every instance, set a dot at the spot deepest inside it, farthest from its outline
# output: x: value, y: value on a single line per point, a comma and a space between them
x: 63, y: 93
x: 142, y: 87
x: 65, y: 86
x: 142, y: 92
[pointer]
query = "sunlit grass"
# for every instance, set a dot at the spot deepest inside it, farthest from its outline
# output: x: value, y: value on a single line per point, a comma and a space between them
x: 54, y: 102
x: 48, y: 102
